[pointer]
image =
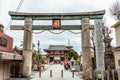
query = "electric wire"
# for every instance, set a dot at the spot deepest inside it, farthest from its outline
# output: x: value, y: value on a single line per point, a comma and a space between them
x: 18, y: 7
x: 10, y: 22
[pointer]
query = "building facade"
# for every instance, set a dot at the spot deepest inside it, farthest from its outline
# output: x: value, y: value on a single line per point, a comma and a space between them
x: 6, y: 54
x: 57, y: 53
x: 117, y: 49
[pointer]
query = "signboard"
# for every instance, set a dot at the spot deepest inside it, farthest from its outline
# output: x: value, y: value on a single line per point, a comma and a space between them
x: 6, y: 43
x: 56, y: 24
x: 57, y: 58
x: 10, y: 56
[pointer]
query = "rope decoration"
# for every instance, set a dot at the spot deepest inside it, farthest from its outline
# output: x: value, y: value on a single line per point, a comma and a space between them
x: 59, y: 32
x: 38, y: 32
x: 74, y: 32
x: 85, y: 28
x: 56, y: 33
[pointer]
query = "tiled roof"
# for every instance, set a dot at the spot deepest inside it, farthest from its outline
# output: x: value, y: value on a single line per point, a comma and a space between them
x: 57, y: 47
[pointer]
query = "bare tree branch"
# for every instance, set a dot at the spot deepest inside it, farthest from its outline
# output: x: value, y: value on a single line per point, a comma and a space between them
x: 115, y: 9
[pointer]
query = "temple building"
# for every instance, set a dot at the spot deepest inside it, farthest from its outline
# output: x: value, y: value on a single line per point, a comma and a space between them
x: 57, y: 53
x: 7, y: 56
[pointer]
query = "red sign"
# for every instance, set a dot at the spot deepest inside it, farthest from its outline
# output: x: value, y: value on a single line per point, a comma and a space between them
x: 56, y: 24
x: 6, y: 43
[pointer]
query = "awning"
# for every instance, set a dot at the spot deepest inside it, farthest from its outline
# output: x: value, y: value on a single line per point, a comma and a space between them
x: 10, y: 56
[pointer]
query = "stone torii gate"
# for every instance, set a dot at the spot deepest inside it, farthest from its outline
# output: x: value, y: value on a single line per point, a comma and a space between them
x: 28, y: 27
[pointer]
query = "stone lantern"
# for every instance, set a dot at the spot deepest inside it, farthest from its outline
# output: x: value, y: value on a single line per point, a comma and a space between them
x: 109, y: 56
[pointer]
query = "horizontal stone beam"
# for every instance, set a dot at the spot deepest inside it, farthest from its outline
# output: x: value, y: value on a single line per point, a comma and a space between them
x: 62, y: 16
x: 48, y: 27
x: 17, y: 27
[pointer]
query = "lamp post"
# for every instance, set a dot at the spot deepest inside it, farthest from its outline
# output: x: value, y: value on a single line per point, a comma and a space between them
x: 38, y: 53
x: 38, y: 46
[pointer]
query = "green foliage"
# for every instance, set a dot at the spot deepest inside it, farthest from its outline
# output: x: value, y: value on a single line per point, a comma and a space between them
x: 44, y: 58
x: 73, y: 54
x: 35, y: 56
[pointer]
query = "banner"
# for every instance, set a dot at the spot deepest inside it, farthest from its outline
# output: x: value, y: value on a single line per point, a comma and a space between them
x: 56, y: 24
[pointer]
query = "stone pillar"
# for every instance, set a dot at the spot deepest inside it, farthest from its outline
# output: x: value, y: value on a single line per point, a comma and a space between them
x: 86, y: 54
x: 99, y: 47
x: 27, y: 48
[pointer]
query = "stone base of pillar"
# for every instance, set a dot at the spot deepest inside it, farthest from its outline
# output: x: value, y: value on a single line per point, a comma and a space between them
x: 27, y: 63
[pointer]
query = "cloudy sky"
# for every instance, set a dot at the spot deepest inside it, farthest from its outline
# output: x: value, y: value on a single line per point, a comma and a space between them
x: 51, y: 6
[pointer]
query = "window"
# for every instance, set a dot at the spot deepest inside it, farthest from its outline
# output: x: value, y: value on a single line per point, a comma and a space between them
x: 3, y: 42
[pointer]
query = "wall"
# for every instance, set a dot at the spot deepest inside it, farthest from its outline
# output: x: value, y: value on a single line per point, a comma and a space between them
x: 1, y: 70
x: 4, y: 70
x: 117, y: 57
x: 9, y: 46
x: 117, y: 32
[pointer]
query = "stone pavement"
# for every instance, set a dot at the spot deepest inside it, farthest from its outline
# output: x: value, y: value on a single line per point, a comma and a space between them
x: 56, y: 74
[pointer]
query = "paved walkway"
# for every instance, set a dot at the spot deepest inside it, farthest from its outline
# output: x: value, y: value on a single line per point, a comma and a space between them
x: 56, y: 74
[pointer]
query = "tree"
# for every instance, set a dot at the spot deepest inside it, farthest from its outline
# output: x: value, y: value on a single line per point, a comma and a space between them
x: 93, y: 49
x: 35, y: 55
x: 33, y: 46
x: 73, y: 54
x: 115, y: 9
x: 44, y: 58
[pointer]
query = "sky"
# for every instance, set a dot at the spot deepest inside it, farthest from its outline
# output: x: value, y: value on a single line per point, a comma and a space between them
x: 53, y: 6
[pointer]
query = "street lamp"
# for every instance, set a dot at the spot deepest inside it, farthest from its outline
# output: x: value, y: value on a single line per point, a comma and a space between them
x: 38, y: 53
x: 38, y: 46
